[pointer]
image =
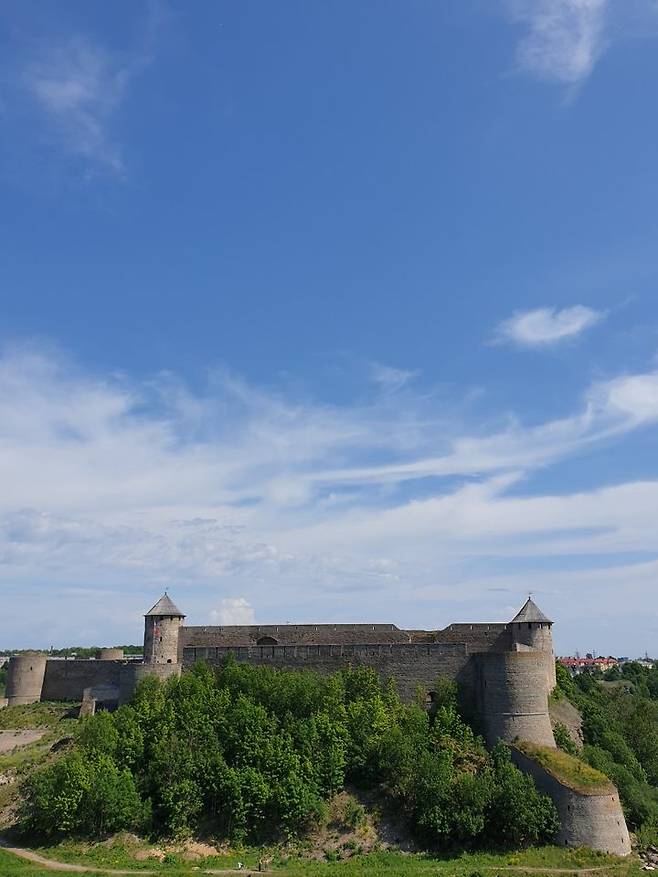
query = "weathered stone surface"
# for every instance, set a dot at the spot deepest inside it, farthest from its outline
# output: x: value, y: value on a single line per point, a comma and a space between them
x: 593, y: 820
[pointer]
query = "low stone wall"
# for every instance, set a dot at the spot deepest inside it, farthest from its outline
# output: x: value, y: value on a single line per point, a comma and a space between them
x: 67, y: 680
x: 132, y: 675
x: 587, y: 820
x: 410, y: 664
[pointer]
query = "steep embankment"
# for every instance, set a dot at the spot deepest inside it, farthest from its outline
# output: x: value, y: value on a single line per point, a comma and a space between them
x: 30, y: 735
x: 563, y: 712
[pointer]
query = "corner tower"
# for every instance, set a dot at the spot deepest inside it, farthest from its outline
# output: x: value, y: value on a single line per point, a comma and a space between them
x: 533, y: 631
x: 162, y: 625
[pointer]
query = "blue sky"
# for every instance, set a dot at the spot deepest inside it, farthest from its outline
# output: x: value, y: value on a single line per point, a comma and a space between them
x: 329, y: 311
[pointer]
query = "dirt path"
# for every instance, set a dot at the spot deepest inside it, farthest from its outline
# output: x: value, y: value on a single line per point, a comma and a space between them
x: 52, y: 865
x: 11, y: 739
x: 539, y: 870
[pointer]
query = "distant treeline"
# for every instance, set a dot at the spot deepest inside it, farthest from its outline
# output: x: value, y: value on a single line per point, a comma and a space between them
x: 72, y: 651
x: 620, y: 729
x: 254, y: 753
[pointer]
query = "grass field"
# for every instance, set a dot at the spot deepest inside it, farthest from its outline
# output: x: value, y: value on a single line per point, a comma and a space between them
x: 545, y: 860
x: 36, y: 715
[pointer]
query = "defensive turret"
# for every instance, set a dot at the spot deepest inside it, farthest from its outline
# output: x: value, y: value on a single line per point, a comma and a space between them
x: 162, y: 625
x: 532, y: 630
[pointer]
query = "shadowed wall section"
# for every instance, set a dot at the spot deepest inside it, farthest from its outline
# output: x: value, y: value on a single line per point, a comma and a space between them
x: 25, y: 679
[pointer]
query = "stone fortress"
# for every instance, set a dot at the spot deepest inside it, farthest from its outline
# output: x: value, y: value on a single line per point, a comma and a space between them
x: 506, y: 672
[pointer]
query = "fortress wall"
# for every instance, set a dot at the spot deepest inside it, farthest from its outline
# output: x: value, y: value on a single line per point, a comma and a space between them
x: 514, y: 697
x: 67, y: 680
x: 410, y: 664
x: 25, y: 679
x: 595, y: 821
x: 132, y: 674
x: 478, y: 637
x: 291, y: 634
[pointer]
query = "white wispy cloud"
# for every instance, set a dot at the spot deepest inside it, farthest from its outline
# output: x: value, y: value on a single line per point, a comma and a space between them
x: 547, y: 326
x: 563, y: 38
x: 129, y: 487
x: 233, y: 610
x: 390, y: 379
x: 79, y: 86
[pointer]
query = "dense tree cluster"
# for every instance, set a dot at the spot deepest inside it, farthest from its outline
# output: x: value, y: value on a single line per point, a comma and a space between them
x: 620, y: 730
x: 248, y: 752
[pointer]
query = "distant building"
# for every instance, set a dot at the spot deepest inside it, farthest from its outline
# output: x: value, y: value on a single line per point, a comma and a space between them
x: 576, y: 666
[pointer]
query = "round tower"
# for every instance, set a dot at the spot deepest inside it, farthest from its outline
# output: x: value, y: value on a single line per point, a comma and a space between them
x: 25, y: 676
x: 532, y: 631
x: 162, y: 624
x: 514, y: 699
x: 109, y: 655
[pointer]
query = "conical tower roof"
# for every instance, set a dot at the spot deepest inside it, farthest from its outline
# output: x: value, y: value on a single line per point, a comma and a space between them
x: 531, y: 612
x: 165, y: 606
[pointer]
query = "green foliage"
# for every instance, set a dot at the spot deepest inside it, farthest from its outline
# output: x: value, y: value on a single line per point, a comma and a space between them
x: 565, y: 686
x: 519, y: 814
x: 251, y: 752
x: 563, y: 739
x: 355, y: 813
x: 446, y: 693
x: 620, y: 728
x: 81, y: 794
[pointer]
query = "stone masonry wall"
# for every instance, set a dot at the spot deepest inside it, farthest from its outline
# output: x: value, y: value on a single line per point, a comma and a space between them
x: 410, y: 664
x: 132, y: 674
x: 513, y: 693
x: 477, y: 637
x: 595, y: 821
x: 291, y: 634
x: 67, y: 680
x: 161, y: 639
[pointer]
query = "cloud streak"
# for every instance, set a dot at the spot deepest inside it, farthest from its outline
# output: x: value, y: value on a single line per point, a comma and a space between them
x: 544, y: 327
x: 563, y: 38
x: 126, y: 486
x: 79, y: 86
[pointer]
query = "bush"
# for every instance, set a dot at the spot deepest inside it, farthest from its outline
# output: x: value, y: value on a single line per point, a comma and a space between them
x: 563, y: 739
x: 82, y: 795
